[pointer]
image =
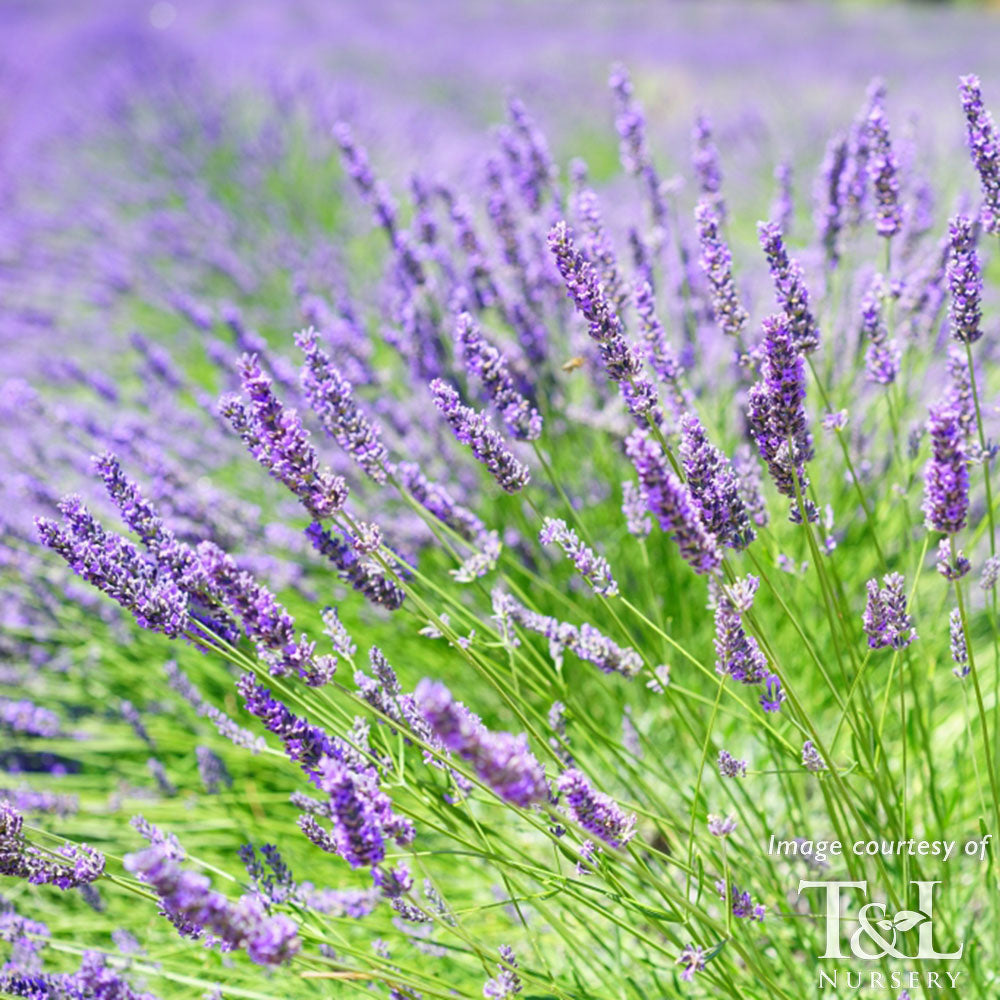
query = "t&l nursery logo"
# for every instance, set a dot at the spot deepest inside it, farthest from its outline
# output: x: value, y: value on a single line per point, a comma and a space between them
x: 871, y: 932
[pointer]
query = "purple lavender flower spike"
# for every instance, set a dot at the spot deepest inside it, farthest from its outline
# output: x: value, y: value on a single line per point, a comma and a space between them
x: 117, y: 568
x: 883, y: 173
x: 777, y: 416
x: 484, y: 360
x: 737, y: 654
x: 951, y: 565
x: 264, y: 619
x: 636, y: 515
x: 357, y: 830
x: 364, y: 575
x: 965, y: 281
x: 984, y: 145
x: 596, y: 812
x: 946, y: 475
x: 276, y: 438
x: 669, y: 500
x: 621, y: 360
x: 196, y: 910
x: 24, y: 716
x: 630, y: 124
x: 789, y: 288
x: 829, y: 207
x: 882, y: 357
x: 67, y: 867
x: 501, y: 760
x: 373, y: 191
x: 959, y: 647
x: 585, y: 642
x: 717, y: 263
x: 886, y: 621
x: 661, y: 356
x: 507, y: 982
x: 730, y: 766
x: 331, y: 397
x: 714, y: 486
x: 472, y: 428
x: 597, y: 244
x: 592, y: 567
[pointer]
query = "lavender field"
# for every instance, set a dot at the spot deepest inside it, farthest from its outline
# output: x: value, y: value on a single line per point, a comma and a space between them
x: 499, y: 500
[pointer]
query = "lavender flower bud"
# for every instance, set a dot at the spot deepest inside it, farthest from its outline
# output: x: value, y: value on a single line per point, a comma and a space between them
x: 592, y: 567
x: 717, y: 263
x: 672, y: 504
x: 965, y: 281
x: 811, y: 759
x: 594, y: 811
x: 482, y: 359
x: 789, y: 288
x: 730, y: 767
x: 472, y: 428
x: 714, y: 486
x: 501, y: 760
x: 883, y: 172
x: 946, y: 475
x: 331, y: 397
x: 959, y: 647
x: 278, y: 441
x: 885, y: 621
x: 984, y: 145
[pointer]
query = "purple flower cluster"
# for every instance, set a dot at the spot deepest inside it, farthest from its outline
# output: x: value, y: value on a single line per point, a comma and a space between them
x: 742, y: 903
x: 670, y: 501
x: 946, y: 475
x: 585, y: 641
x: 331, y: 397
x: 777, y: 416
x: 965, y: 281
x: 364, y: 575
x: 737, y: 654
x: 66, y: 867
x: 196, y: 910
x: 473, y: 429
x: 730, y: 766
x: 789, y: 289
x: 116, y: 568
x: 959, y: 647
x: 886, y: 621
x: 486, y: 362
x: 264, y: 619
x: 984, y: 145
x: 276, y: 438
x: 705, y: 160
x: 507, y: 982
x: 717, y: 263
x: 883, y: 172
x: 882, y: 358
x: 829, y: 201
x: 621, y: 360
x: 501, y: 760
x: 596, y: 812
x: 592, y: 567
x: 23, y: 716
x: 714, y: 486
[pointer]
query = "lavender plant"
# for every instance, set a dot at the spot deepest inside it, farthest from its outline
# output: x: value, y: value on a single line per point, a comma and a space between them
x: 453, y: 578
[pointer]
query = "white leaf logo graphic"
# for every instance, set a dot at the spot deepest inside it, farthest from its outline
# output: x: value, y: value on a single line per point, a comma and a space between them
x: 906, y: 919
